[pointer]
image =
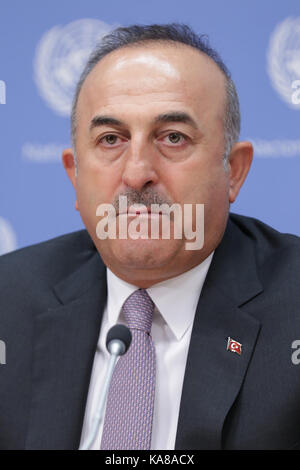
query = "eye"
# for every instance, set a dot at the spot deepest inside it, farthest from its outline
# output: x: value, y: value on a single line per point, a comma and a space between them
x: 109, y: 139
x: 175, y: 138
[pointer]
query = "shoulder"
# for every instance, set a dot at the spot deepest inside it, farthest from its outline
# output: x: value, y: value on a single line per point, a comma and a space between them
x: 264, y: 237
x: 46, y: 262
x: 277, y: 254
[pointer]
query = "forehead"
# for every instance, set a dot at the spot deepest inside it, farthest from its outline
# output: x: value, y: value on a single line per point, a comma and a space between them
x: 144, y: 76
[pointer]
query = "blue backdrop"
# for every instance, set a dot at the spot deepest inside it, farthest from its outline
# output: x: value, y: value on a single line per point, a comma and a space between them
x: 42, y: 48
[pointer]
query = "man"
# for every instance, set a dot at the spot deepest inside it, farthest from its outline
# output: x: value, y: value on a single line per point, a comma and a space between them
x: 156, y: 119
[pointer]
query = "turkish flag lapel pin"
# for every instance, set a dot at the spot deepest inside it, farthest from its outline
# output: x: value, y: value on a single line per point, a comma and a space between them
x: 234, y: 346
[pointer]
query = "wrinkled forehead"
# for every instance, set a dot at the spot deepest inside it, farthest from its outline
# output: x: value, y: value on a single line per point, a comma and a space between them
x: 162, y: 70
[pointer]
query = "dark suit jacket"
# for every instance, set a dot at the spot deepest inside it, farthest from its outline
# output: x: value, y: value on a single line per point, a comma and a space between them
x: 52, y: 297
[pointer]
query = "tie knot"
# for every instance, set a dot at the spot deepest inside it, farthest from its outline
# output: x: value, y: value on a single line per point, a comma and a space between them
x: 138, y: 311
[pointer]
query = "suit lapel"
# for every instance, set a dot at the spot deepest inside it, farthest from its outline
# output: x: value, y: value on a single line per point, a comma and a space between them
x: 214, y: 375
x: 64, y: 346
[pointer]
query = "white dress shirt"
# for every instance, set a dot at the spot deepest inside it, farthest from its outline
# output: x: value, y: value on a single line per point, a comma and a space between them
x: 175, y: 302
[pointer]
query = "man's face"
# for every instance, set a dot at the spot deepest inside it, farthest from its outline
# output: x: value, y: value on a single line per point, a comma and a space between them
x: 163, y: 141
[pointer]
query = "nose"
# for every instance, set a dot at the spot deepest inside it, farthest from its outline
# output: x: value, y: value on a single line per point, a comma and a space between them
x: 140, y: 165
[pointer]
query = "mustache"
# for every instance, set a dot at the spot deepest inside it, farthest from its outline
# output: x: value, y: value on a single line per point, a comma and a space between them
x: 146, y: 197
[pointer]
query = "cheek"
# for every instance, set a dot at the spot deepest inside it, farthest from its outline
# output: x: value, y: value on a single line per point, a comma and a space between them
x: 88, y: 193
x: 216, y: 206
x: 203, y: 185
x: 95, y: 185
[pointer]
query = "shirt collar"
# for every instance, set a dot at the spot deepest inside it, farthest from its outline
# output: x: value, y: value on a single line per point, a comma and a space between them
x: 176, y: 299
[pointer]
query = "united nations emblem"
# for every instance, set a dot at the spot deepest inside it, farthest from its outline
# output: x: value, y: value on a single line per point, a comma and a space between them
x: 60, y: 58
x: 283, y: 60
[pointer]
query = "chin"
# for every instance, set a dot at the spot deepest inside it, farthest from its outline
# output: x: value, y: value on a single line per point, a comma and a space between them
x: 144, y: 254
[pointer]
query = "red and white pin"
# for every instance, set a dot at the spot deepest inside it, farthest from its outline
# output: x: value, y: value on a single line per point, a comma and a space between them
x: 234, y: 346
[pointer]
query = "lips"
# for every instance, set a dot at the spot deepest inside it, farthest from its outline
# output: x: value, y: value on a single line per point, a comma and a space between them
x: 139, y: 210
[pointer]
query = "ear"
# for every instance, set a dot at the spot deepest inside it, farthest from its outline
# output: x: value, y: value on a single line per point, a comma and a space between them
x: 69, y: 165
x: 239, y: 163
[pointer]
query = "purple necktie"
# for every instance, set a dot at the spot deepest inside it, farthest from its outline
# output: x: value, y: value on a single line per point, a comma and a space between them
x: 129, y: 409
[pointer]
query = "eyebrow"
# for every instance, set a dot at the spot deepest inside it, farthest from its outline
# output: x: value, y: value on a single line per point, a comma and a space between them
x: 98, y: 121
x: 172, y: 116
x: 176, y: 116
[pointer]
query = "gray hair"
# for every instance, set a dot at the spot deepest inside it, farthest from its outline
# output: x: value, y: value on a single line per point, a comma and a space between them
x: 178, y: 33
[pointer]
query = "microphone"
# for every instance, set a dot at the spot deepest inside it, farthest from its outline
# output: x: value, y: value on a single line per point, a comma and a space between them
x: 118, y: 340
